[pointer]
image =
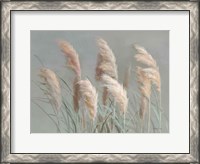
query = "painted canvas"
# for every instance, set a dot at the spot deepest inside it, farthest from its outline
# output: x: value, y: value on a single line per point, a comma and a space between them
x: 99, y: 82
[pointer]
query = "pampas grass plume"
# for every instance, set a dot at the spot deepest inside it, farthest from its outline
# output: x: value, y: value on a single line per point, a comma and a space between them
x: 72, y: 56
x: 154, y: 76
x: 144, y: 57
x: 90, y: 97
x: 117, y: 91
x: 147, y: 76
x: 145, y: 87
x: 74, y: 64
x: 106, y: 62
x: 152, y: 72
x: 53, y: 87
x: 145, y: 90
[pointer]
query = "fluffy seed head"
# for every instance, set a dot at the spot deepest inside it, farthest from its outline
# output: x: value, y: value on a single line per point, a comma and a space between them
x: 117, y: 91
x: 72, y: 56
x: 144, y: 81
x: 90, y: 97
x: 154, y: 76
x: 106, y: 62
x: 144, y: 57
x: 146, y: 76
x: 52, y: 84
x: 152, y: 72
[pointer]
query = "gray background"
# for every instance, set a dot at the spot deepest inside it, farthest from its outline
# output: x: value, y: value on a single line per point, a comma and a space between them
x: 43, y: 44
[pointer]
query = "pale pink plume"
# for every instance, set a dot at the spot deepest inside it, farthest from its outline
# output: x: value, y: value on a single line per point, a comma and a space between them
x: 90, y: 97
x: 106, y: 62
x: 74, y: 64
x: 145, y: 89
x: 152, y: 72
x: 72, y: 56
x: 117, y: 91
x: 144, y: 81
x: 154, y: 76
x: 52, y: 84
x: 144, y: 57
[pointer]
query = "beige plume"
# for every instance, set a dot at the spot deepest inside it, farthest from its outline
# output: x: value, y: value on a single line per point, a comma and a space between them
x: 74, y: 64
x: 145, y: 82
x: 127, y: 77
x: 145, y: 89
x: 52, y: 84
x: 154, y: 76
x: 90, y: 97
x: 106, y: 62
x: 147, y: 76
x: 105, y: 68
x: 152, y: 72
x: 117, y: 91
x: 144, y: 57
x: 72, y: 56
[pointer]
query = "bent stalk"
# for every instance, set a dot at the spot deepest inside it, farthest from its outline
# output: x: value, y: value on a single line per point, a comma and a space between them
x: 149, y: 121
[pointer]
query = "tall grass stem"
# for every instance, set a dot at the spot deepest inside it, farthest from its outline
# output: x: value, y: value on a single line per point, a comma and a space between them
x: 160, y: 115
x: 149, y: 121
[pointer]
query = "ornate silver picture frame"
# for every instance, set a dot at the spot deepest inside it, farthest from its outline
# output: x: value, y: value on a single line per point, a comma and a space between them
x: 7, y: 7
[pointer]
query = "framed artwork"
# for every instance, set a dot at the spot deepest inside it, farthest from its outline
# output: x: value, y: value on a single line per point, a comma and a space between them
x: 99, y: 81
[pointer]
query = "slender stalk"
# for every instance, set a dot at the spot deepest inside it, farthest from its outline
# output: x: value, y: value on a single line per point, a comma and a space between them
x: 58, y: 128
x: 66, y: 120
x: 142, y: 123
x: 112, y: 120
x: 114, y: 113
x: 91, y: 125
x: 56, y: 114
x: 149, y: 121
x: 104, y: 122
x: 124, y: 121
x: 77, y: 122
x: 160, y: 115
x: 160, y: 109
x: 83, y: 119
